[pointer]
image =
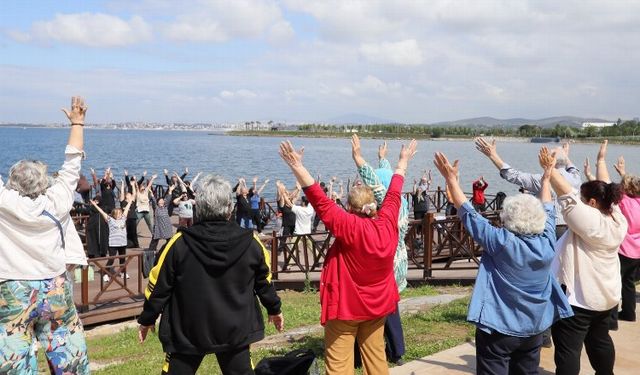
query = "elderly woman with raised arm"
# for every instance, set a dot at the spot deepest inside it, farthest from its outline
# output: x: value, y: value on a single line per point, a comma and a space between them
x: 37, y: 242
x: 515, y: 297
x: 589, y: 269
x: 357, y: 286
x: 378, y: 180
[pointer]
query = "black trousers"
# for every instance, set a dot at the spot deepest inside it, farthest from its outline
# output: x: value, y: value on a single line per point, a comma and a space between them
x: 233, y: 362
x: 628, y: 268
x: 587, y: 327
x: 394, y: 336
x: 113, y: 251
x: 501, y: 354
x: 132, y: 232
x: 97, y: 238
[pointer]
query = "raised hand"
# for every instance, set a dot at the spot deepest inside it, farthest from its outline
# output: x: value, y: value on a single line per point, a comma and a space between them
x: 126, y: 173
x: 356, y: 151
x: 77, y: 112
x: 255, y: 180
x: 290, y: 156
x: 93, y: 171
x: 547, y: 161
x: 602, y: 154
x: 620, y: 167
x: 489, y: 149
x: 382, y: 150
x: 408, y: 152
x: 154, y: 176
x: 448, y: 171
x: 166, y: 172
x: 144, y: 173
x: 587, y: 169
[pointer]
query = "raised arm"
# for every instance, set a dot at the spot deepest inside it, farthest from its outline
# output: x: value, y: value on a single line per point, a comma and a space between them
x: 122, y: 190
x: 450, y: 174
x: 587, y: 170
x: 102, y: 213
x: 356, y: 151
x: 548, y: 163
x: 264, y: 184
x: 602, y: 173
x: 620, y: 167
x: 490, y: 150
x: 526, y: 180
x: 62, y: 191
x: 76, y: 117
x: 491, y: 238
x: 195, y: 179
x: 127, y: 208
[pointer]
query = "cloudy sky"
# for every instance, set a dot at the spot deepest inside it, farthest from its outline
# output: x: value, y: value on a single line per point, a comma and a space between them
x: 303, y: 60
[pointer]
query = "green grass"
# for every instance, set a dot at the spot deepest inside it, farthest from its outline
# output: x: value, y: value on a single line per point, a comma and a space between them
x: 420, y: 291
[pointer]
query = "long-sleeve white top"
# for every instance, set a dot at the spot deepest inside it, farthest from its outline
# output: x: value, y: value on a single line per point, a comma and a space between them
x: 587, y: 254
x: 31, y: 243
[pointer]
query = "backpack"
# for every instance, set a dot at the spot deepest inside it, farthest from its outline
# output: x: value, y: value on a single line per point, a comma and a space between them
x: 296, y: 362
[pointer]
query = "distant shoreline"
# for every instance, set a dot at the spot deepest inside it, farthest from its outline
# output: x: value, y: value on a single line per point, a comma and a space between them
x: 304, y: 134
x: 301, y: 134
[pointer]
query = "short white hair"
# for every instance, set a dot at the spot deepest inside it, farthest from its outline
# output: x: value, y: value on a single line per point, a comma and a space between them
x: 29, y: 178
x: 213, y: 198
x: 523, y: 214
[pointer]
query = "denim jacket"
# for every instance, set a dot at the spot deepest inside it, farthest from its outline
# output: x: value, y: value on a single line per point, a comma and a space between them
x: 515, y: 292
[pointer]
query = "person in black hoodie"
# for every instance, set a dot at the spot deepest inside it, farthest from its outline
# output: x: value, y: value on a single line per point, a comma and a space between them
x: 205, y: 284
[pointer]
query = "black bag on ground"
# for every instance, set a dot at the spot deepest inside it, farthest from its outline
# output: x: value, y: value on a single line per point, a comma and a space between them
x: 296, y: 362
x: 148, y: 261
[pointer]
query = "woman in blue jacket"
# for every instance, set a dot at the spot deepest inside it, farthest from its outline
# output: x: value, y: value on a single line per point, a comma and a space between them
x: 515, y: 297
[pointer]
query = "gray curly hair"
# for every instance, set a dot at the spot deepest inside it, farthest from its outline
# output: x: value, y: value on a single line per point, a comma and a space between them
x: 523, y: 214
x: 29, y: 178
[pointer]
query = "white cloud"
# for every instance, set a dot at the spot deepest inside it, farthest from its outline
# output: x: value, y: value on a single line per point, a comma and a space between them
x: 88, y: 29
x: 238, y: 94
x: 403, y: 53
x: 219, y: 21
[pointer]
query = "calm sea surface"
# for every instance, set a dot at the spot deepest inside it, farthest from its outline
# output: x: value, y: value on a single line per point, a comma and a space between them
x: 249, y: 156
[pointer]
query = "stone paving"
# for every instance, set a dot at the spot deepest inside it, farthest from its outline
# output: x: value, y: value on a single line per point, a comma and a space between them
x: 461, y: 359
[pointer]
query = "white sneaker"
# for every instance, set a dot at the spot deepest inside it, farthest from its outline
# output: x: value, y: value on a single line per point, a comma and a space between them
x: 124, y: 275
x: 105, y: 278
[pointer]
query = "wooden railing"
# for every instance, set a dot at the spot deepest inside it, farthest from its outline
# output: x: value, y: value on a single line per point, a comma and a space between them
x: 446, y: 241
x: 98, y: 293
x: 438, y: 200
x: 298, y: 253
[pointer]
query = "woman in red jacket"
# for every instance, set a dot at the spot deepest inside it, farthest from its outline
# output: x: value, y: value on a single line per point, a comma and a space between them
x: 357, y: 286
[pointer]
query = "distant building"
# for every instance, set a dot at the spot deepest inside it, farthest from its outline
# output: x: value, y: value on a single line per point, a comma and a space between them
x: 597, y: 124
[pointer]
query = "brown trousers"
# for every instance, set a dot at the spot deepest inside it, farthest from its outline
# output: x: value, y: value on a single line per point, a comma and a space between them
x: 339, y: 338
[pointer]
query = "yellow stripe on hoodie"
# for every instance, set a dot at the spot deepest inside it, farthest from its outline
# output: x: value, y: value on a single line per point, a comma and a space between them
x: 155, y: 271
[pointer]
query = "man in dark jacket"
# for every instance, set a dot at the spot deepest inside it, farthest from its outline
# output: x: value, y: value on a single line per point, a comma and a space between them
x: 205, y: 284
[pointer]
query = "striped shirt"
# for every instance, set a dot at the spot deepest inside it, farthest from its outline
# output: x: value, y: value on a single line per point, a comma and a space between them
x: 117, y: 232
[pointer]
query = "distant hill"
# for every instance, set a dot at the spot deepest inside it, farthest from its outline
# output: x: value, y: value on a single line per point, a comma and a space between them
x: 545, y: 122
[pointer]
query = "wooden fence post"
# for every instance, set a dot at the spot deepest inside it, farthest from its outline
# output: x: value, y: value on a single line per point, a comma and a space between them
x: 427, y: 235
x: 438, y: 199
x: 85, y: 289
x: 274, y: 255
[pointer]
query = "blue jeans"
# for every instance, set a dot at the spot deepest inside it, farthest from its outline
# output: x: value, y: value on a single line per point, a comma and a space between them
x: 246, y: 222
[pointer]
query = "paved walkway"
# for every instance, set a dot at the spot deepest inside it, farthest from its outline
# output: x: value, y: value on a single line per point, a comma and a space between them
x: 461, y: 359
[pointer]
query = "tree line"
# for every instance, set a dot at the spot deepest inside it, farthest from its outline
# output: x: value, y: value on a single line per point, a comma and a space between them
x: 621, y: 128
